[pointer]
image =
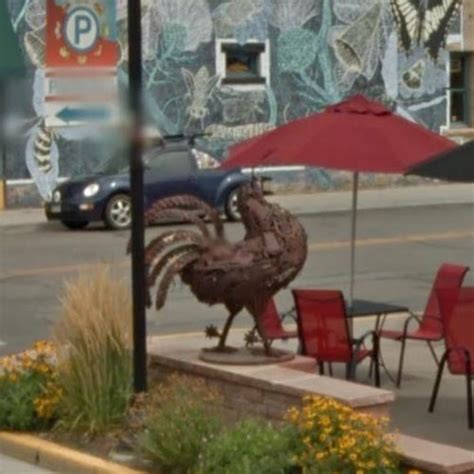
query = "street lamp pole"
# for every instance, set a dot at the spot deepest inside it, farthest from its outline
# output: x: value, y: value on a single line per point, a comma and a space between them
x: 136, y: 186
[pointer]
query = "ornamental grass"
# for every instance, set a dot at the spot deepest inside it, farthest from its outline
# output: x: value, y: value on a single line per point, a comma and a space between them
x: 29, y: 389
x: 334, y: 438
x: 96, y: 366
x: 184, y: 414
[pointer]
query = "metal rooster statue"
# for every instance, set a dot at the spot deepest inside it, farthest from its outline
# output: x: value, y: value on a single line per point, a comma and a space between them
x: 239, y: 275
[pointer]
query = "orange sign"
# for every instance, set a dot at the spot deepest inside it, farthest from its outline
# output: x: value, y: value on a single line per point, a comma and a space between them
x: 81, y: 33
x: 81, y: 63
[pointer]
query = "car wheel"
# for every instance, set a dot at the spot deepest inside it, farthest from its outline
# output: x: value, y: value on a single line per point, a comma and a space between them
x: 75, y: 225
x: 231, y: 209
x: 118, y: 212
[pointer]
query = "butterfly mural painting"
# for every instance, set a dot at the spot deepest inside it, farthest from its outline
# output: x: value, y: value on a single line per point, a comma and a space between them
x: 424, y: 22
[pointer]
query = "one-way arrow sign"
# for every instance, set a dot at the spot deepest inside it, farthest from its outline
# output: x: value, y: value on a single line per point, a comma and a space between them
x: 69, y: 114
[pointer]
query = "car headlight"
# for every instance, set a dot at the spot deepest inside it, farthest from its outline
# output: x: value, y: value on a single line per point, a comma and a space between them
x: 91, y: 190
x: 56, y: 196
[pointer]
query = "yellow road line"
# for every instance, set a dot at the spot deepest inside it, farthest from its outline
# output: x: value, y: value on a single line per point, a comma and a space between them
x: 25, y: 272
x: 400, y: 239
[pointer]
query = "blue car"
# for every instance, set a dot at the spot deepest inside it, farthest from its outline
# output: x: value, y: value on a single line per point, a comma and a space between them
x: 170, y: 169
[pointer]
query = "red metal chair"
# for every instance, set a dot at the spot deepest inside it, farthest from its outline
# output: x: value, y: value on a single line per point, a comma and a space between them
x: 457, y: 312
x: 430, y: 329
x: 324, y: 332
x: 271, y: 325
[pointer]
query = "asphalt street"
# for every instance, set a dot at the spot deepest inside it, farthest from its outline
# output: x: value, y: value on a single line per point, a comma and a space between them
x: 398, y: 253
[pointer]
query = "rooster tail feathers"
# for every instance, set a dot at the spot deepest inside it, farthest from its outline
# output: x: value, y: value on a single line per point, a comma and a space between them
x: 178, y: 214
x: 173, y: 237
x: 178, y: 264
x: 166, y: 259
x: 188, y: 203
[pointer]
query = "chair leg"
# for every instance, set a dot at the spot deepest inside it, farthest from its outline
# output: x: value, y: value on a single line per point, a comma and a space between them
x: 375, y: 361
x: 321, y: 368
x: 351, y: 370
x: 470, y: 415
x: 433, y: 353
x: 400, y: 363
x: 437, y: 382
x: 330, y: 368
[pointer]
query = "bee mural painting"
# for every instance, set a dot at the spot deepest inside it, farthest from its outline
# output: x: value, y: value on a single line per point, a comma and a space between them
x: 42, y: 159
x: 200, y: 89
x: 319, y: 51
x: 43, y: 145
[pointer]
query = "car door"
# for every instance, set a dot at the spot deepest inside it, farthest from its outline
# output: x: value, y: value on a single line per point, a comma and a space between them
x: 167, y: 173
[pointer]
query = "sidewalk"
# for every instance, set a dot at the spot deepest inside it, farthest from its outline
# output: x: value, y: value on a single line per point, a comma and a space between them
x: 13, y: 466
x: 320, y: 202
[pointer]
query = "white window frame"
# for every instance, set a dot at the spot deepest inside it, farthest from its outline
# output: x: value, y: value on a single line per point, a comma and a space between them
x: 264, y: 65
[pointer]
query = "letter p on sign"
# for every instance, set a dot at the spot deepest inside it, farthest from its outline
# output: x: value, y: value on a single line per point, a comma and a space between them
x: 81, y: 29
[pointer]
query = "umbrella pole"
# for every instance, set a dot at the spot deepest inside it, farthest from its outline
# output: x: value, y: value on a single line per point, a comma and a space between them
x: 355, y: 187
x: 3, y: 148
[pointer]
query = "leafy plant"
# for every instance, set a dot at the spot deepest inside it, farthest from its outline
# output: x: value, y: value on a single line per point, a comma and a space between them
x: 29, y: 391
x: 249, y: 447
x: 184, y: 415
x: 95, y: 369
x: 332, y: 437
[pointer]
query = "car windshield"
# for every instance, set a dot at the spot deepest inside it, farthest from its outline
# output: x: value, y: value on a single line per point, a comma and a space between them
x: 114, y: 165
x: 117, y: 163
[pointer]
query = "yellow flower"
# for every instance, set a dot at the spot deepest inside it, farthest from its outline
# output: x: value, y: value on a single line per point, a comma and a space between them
x: 325, y: 420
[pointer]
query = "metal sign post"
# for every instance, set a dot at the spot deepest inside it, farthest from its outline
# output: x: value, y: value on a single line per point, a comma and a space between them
x: 136, y: 185
x: 81, y: 86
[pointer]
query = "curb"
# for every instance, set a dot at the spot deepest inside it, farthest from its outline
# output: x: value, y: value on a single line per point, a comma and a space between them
x: 48, y: 455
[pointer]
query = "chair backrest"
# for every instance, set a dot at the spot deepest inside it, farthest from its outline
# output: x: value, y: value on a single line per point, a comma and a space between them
x: 449, y: 277
x: 322, y: 325
x: 457, y: 312
x: 271, y: 322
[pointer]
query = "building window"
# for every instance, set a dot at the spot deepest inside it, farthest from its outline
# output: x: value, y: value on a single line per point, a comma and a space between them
x: 458, y: 88
x: 242, y: 66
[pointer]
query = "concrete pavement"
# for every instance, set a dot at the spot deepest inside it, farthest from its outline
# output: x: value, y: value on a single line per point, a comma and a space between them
x: 322, y: 202
x: 13, y: 466
x: 397, y: 255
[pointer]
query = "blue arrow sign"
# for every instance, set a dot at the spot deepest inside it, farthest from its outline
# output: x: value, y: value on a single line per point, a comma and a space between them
x: 69, y: 114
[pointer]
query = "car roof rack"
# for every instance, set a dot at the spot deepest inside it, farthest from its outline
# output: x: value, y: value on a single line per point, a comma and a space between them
x: 191, y: 139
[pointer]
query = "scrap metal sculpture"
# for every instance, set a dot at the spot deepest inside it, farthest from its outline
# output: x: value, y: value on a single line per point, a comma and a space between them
x: 239, y: 275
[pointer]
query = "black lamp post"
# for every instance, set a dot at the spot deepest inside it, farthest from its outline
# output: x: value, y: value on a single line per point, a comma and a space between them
x: 136, y: 185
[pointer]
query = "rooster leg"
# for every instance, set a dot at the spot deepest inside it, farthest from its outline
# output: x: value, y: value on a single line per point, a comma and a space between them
x: 234, y: 310
x: 257, y: 309
x: 265, y: 341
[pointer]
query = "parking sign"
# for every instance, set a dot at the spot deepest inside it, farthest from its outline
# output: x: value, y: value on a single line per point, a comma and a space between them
x: 81, y: 30
x: 81, y: 62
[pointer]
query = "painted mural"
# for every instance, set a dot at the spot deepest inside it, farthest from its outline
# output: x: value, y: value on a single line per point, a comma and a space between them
x: 320, y: 52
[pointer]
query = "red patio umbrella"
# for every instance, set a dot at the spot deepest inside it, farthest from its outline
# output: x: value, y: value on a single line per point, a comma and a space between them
x: 357, y: 134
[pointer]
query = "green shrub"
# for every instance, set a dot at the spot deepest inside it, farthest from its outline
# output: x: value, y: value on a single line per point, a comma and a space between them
x: 251, y: 446
x: 96, y: 368
x: 184, y: 414
x: 29, y: 392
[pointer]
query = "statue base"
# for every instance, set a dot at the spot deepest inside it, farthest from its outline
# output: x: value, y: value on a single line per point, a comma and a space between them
x: 244, y: 356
